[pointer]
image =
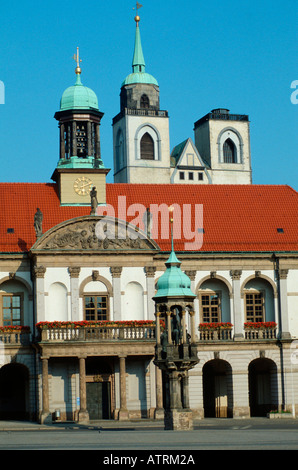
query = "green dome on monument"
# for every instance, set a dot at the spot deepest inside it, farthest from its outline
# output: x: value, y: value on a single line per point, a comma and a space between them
x: 174, y: 282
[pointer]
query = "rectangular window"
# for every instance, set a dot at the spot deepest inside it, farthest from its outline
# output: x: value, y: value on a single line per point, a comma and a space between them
x: 96, y: 307
x: 254, y: 306
x: 200, y: 176
x: 181, y: 175
x: 210, y: 308
x: 12, y: 309
x: 190, y: 175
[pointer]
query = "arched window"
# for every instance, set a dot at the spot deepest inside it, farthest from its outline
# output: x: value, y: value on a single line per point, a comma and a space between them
x: 144, y: 102
x: 229, y: 152
x: 147, y: 147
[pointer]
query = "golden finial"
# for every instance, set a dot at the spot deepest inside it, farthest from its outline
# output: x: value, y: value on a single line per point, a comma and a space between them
x: 76, y: 58
x: 137, y: 18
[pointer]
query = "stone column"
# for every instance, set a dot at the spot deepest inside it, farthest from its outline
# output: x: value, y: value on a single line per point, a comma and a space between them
x: 83, y: 413
x: 39, y: 272
x: 97, y: 142
x: 196, y: 314
x: 238, y: 313
x: 157, y: 328
x: 169, y: 327
x: 89, y: 140
x: 123, y: 412
x: 192, y: 327
x: 159, y: 411
x: 74, y: 273
x: 283, y: 304
x: 116, y: 274
x: 45, y: 416
x: 62, y: 142
x: 74, y: 139
x: 150, y: 281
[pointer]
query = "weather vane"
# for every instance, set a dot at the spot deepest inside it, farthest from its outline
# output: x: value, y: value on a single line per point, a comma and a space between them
x: 138, y: 6
x: 76, y: 58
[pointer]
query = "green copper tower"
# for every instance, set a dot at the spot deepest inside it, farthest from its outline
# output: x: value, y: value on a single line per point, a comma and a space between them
x: 79, y: 120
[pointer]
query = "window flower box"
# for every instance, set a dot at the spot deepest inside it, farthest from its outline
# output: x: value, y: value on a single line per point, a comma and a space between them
x: 20, y: 329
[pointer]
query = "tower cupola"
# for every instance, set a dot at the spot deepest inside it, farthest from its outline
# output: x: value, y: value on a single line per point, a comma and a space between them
x: 80, y: 168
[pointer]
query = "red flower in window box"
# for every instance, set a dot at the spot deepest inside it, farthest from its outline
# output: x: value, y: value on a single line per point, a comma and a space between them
x: 260, y: 324
x: 15, y: 329
x: 215, y: 326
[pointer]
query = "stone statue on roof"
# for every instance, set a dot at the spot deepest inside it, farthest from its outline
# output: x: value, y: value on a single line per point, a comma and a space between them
x: 38, y: 217
x: 94, y: 202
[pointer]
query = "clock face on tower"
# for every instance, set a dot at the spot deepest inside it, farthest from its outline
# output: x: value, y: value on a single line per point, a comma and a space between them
x: 83, y: 185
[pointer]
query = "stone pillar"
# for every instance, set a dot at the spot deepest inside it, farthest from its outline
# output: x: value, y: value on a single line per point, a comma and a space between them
x: 157, y: 328
x: 39, y: 272
x: 62, y: 142
x: 45, y: 416
x: 192, y: 327
x: 89, y: 140
x: 169, y: 327
x: 283, y: 304
x: 74, y: 273
x: 238, y: 313
x: 123, y: 412
x: 159, y: 411
x: 150, y: 281
x: 176, y: 417
x: 74, y: 139
x: 116, y: 274
x: 97, y: 142
x: 83, y: 413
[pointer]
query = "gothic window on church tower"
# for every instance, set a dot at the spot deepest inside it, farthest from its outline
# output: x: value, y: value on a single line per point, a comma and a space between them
x: 229, y: 152
x: 144, y: 102
x: 147, y: 147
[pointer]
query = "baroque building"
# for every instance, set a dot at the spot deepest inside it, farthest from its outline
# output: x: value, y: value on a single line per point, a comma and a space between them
x: 80, y: 262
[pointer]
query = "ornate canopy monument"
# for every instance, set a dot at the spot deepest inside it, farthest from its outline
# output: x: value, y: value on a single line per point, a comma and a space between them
x: 176, y: 347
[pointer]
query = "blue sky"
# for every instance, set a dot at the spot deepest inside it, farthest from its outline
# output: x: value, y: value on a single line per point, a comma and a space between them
x: 205, y: 55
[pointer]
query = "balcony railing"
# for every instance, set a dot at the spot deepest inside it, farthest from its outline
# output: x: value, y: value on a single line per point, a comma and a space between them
x: 215, y: 331
x: 224, y: 331
x: 260, y: 330
x: 115, y: 331
x: 140, y: 112
x: 15, y: 336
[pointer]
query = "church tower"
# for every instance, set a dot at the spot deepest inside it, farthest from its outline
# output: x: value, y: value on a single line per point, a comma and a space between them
x: 223, y: 141
x: 80, y: 167
x: 141, y: 142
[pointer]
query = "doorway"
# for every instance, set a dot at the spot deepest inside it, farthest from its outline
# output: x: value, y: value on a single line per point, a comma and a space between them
x: 98, y: 400
x: 98, y: 388
x: 14, y: 392
x: 262, y: 379
x: 217, y: 389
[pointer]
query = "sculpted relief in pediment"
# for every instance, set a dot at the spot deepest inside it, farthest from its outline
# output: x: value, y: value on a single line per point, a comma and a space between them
x: 96, y: 234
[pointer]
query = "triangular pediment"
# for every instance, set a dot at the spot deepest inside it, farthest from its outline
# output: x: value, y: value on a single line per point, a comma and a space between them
x: 94, y: 234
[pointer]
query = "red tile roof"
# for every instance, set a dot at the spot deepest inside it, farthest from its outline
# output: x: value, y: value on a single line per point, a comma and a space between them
x: 236, y: 218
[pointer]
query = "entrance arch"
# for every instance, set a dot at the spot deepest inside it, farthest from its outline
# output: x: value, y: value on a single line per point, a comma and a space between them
x: 14, y: 392
x: 217, y: 389
x: 262, y: 380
